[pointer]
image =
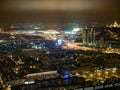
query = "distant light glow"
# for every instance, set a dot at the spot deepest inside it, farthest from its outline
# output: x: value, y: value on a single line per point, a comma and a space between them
x: 77, y: 74
x: 51, y: 32
x: 59, y: 41
x: 31, y: 31
x: 98, y: 33
x: 66, y: 75
x: 114, y: 68
x: 76, y: 29
x: 30, y: 82
x: 36, y: 27
x: 68, y: 32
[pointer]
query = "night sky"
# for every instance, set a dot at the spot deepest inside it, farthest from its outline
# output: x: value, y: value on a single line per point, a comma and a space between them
x: 59, y: 11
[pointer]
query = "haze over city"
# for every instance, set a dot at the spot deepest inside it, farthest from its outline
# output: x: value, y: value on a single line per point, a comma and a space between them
x: 82, y: 11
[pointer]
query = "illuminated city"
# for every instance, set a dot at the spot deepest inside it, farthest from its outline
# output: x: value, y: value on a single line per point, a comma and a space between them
x: 68, y: 49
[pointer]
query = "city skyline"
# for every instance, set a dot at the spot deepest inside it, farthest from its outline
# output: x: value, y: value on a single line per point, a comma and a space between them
x: 59, y: 44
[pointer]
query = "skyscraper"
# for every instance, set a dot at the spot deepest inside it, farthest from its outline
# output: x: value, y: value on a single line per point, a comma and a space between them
x: 88, y: 36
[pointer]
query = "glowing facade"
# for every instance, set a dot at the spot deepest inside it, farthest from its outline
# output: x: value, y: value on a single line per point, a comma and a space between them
x: 114, y: 25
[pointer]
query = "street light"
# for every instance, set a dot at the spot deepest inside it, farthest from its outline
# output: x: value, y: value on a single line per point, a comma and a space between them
x: 106, y: 72
x: 91, y: 75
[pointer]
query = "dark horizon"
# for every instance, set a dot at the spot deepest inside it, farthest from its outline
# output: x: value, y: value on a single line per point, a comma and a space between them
x: 56, y: 11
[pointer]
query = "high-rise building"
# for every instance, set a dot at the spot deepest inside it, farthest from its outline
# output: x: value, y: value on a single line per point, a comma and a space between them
x: 89, y: 36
